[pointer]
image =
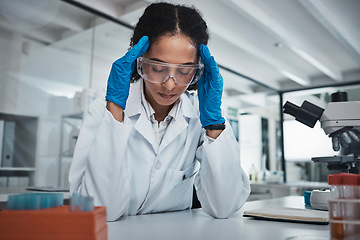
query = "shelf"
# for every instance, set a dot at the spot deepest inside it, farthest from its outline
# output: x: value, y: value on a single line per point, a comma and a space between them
x: 25, y: 169
x: 70, y: 127
x: 8, y: 172
x: 20, y: 148
x: 78, y: 115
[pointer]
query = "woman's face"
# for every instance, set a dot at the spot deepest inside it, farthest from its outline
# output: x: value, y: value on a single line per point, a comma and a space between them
x: 174, y: 49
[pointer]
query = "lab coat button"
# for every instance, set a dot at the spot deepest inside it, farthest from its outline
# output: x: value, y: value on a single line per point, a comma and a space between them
x: 157, y: 165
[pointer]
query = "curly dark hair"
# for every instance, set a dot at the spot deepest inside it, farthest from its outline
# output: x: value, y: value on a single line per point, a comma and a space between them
x: 162, y: 18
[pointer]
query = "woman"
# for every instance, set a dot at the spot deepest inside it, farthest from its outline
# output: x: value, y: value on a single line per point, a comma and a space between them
x: 139, y: 151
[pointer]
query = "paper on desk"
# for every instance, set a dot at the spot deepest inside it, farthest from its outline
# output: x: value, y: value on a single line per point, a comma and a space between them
x: 290, y: 214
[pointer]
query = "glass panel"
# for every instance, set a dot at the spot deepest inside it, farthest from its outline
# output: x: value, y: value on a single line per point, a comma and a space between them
x: 111, y: 42
x: 46, y: 59
x: 253, y: 112
x: 46, y: 54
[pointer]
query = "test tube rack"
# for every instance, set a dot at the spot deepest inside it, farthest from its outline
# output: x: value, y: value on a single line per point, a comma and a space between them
x: 53, y: 223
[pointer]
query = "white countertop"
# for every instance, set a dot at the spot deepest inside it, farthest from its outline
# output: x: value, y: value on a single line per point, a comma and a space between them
x: 195, y: 224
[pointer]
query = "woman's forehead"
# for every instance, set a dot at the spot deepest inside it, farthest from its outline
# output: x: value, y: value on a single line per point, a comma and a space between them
x: 173, y: 49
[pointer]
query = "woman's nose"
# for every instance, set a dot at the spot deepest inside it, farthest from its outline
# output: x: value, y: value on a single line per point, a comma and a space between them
x: 170, y: 83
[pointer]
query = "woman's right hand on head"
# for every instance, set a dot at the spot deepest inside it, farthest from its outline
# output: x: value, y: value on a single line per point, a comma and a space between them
x: 118, y: 84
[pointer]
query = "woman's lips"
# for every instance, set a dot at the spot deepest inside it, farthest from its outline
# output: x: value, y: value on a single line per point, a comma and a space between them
x: 167, y: 96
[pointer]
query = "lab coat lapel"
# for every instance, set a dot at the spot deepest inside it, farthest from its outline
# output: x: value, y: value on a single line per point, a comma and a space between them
x: 134, y: 108
x: 173, y: 130
x: 180, y: 123
x: 144, y: 127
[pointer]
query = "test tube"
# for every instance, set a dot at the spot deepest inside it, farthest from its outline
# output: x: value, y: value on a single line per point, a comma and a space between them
x: 74, y: 202
x: 31, y: 202
x: 86, y: 203
x: 81, y: 203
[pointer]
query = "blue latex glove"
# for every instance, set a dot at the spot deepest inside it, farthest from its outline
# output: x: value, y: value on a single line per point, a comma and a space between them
x: 119, y: 79
x: 210, y: 88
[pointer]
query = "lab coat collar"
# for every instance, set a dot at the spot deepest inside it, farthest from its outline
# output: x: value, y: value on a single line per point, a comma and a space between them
x: 134, y: 100
x: 143, y: 125
x: 150, y: 113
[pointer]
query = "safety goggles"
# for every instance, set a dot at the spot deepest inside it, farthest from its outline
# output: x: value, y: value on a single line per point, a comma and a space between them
x: 159, y: 72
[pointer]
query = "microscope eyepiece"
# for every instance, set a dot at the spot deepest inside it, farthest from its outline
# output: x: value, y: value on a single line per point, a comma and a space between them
x: 307, y: 114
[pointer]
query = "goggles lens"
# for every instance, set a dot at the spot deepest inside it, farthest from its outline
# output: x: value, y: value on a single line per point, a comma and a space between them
x: 159, y: 72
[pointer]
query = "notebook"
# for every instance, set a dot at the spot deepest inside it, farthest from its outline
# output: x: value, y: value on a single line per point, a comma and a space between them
x: 290, y: 215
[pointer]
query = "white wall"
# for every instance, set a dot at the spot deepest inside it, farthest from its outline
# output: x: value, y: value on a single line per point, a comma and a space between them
x: 250, y: 142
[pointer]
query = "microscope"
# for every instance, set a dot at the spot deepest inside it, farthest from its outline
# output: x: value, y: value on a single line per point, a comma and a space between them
x: 340, y: 120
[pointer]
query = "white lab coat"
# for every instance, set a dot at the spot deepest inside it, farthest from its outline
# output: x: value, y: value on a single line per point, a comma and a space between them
x: 125, y: 169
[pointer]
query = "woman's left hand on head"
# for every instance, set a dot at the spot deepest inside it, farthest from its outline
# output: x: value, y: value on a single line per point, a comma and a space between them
x: 210, y: 88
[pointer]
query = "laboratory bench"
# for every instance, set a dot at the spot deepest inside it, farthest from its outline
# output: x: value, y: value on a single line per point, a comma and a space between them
x: 196, y: 224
